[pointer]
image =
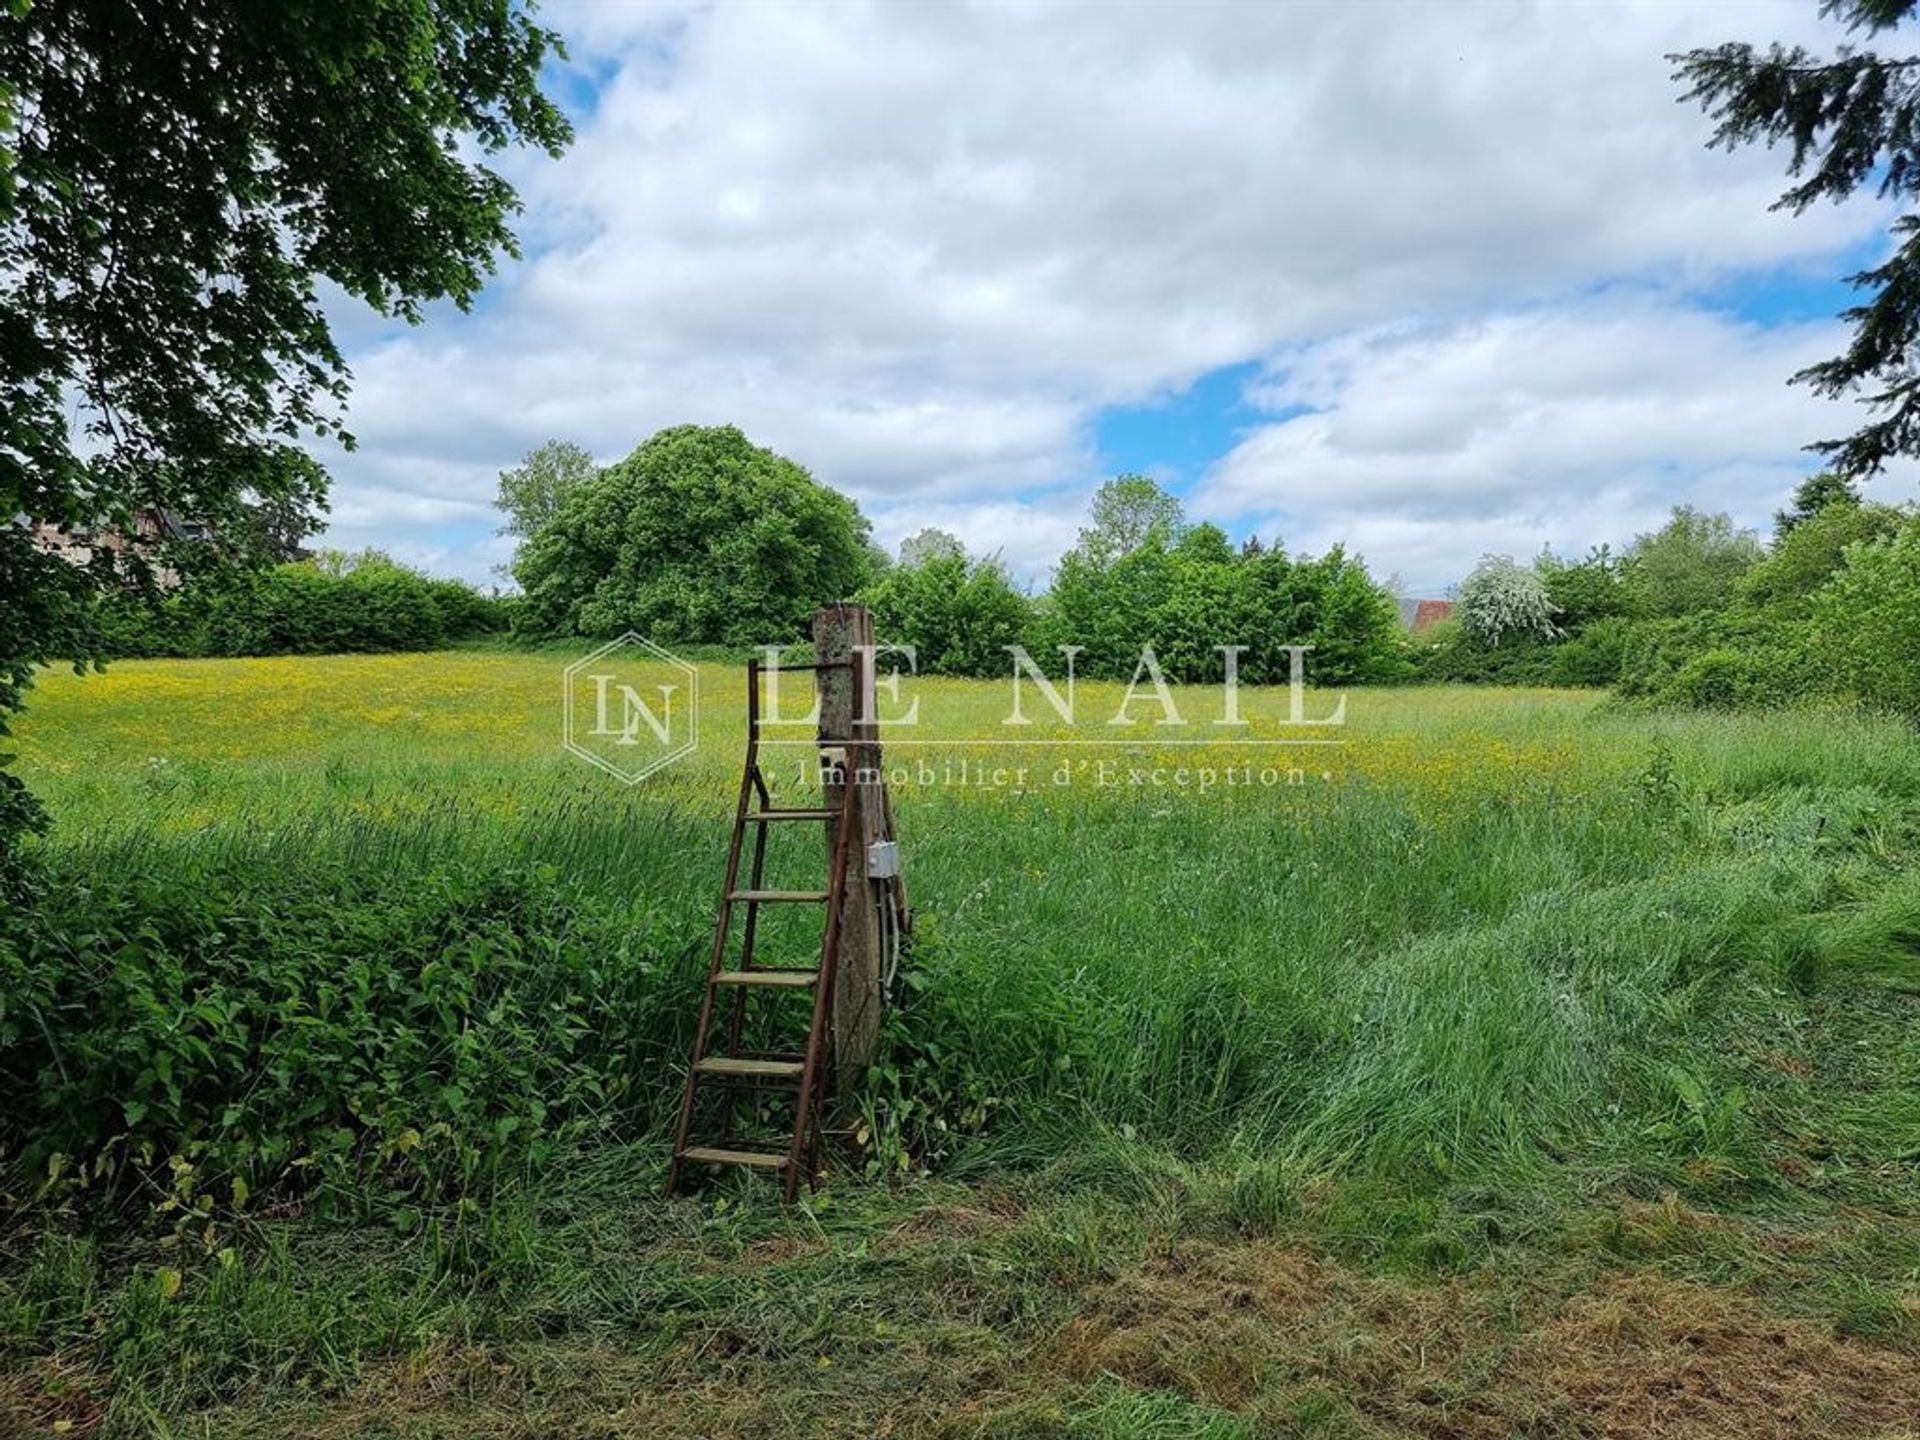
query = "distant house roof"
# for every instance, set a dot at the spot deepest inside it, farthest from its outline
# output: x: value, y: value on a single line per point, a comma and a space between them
x: 78, y: 544
x: 1427, y: 612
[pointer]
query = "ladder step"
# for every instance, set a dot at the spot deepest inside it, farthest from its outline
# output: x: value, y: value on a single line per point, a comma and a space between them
x: 793, y: 814
x: 779, y: 979
x: 707, y: 1155
x: 750, y: 1069
x: 810, y: 897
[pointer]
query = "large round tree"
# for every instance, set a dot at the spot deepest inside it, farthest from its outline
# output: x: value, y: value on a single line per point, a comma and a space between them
x: 699, y: 536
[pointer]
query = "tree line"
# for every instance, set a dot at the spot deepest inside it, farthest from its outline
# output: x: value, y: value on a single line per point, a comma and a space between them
x: 1702, y: 613
x: 330, y: 603
x: 701, y: 537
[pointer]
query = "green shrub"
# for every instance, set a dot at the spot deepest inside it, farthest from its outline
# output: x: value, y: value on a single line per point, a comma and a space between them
x: 1188, y: 598
x: 239, y: 1020
x: 1450, y: 653
x: 1692, y: 564
x: 1807, y: 555
x: 957, y: 613
x: 1593, y: 655
x: 1713, y: 680
x: 1584, y: 591
x: 1867, y: 621
x: 301, y: 609
x: 1716, y: 659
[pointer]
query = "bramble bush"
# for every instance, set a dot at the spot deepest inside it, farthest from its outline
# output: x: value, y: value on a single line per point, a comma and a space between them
x: 1450, y: 653
x: 1720, y: 660
x: 226, y: 1024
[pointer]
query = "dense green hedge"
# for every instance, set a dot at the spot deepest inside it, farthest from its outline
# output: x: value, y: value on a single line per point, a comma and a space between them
x: 1831, y: 612
x: 301, y: 610
x: 1718, y: 660
x: 1866, y: 622
x: 959, y: 614
x: 1184, y: 597
x: 1723, y: 660
x: 1595, y: 656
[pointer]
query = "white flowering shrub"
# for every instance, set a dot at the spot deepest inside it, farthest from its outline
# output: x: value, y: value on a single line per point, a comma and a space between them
x: 1502, y: 598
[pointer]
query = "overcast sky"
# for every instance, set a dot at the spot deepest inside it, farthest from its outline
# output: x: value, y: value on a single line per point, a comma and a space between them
x: 1428, y: 280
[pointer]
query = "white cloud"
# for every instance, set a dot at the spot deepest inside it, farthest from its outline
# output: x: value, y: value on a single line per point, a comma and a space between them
x: 1429, y: 445
x: 1028, y: 536
x: 918, y: 248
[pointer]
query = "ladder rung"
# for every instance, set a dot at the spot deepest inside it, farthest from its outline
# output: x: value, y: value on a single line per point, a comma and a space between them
x: 779, y: 979
x: 751, y: 1069
x: 793, y: 814
x: 707, y: 1155
x: 796, y: 896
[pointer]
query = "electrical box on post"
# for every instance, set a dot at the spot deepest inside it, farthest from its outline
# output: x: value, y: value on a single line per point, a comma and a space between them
x: 883, y: 859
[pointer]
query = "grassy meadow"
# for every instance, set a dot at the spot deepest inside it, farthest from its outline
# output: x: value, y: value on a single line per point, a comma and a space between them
x: 1516, y: 1064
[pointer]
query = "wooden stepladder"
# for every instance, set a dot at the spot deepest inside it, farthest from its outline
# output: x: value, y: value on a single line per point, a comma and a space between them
x: 723, y: 1060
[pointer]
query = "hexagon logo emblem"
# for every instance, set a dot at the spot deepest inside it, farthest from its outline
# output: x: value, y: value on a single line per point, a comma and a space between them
x: 631, y: 708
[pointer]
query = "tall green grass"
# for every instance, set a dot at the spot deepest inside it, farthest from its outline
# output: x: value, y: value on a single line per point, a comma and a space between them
x: 1511, y: 933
